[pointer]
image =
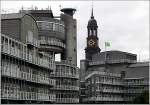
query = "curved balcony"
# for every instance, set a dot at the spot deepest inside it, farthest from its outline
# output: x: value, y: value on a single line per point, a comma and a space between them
x: 7, y: 71
x: 47, y: 43
x: 21, y: 95
x: 65, y: 69
x: 66, y: 63
x: 65, y: 87
x: 51, y: 25
x: 103, y: 99
x: 19, y: 50
x: 67, y: 100
x: 64, y: 75
x: 109, y: 83
x: 110, y: 91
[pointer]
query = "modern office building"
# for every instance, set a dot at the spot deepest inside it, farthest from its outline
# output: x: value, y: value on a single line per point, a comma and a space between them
x: 30, y: 41
x: 25, y: 72
x: 111, y: 76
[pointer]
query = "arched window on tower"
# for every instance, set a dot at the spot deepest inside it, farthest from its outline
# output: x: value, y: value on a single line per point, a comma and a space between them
x: 90, y: 32
x: 94, y: 32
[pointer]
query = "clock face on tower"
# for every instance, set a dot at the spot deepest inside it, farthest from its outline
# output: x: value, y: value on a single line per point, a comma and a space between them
x: 91, y: 42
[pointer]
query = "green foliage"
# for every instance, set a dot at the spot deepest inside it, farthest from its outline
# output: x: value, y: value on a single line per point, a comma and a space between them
x: 142, y: 99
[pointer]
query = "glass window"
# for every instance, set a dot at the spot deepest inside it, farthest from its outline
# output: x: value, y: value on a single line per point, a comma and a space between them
x: 51, y: 26
x: 90, y: 32
x: 92, y: 80
x: 97, y: 79
x: 46, y: 25
x: 94, y: 32
x: 63, y: 29
x: 56, y: 27
x: 30, y: 36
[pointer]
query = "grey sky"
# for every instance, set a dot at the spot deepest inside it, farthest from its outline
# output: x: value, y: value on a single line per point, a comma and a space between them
x: 125, y: 24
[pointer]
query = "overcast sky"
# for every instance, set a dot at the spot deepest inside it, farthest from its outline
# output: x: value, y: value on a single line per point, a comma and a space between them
x: 125, y: 24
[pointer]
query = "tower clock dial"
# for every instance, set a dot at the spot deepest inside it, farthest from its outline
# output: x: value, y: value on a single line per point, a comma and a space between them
x: 91, y: 42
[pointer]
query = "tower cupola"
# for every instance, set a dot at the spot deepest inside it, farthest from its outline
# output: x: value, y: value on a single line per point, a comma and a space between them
x: 92, y: 22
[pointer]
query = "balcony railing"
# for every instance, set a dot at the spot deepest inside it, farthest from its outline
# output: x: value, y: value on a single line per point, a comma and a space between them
x: 67, y: 100
x: 51, y: 25
x: 65, y: 87
x: 6, y: 71
x: 58, y: 74
x: 65, y: 62
x: 110, y: 90
x: 134, y: 83
x: 103, y: 99
x: 21, y: 53
x: 112, y: 61
x: 21, y: 95
x: 103, y: 74
x: 110, y: 83
x: 136, y: 91
x: 52, y: 41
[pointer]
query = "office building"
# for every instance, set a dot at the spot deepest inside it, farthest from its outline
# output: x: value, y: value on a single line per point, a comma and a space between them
x: 30, y: 72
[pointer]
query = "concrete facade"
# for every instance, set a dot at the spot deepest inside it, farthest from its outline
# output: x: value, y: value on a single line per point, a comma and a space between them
x: 37, y: 36
x: 71, y: 32
x: 134, y: 79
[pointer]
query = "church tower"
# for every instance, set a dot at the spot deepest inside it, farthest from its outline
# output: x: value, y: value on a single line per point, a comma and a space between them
x: 92, y: 39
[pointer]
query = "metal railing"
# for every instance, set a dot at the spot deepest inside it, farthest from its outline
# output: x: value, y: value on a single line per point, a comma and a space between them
x: 61, y: 74
x: 47, y: 25
x: 22, y: 53
x: 112, y: 61
x: 21, y: 95
x: 103, y: 74
x: 67, y: 100
x: 104, y: 99
x: 65, y: 87
x: 6, y: 71
x: 52, y: 41
x: 110, y: 90
x: 110, y: 83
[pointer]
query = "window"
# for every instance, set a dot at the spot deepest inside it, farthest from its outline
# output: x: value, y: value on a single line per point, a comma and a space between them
x: 90, y: 32
x: 92, y: 80
x: 92, y: 88
x: 30, y: 36
x: 51, y: 26
x: 56, y: 27
x: 46, y: 25
x: 94, y: 32
x: 97, y: 87
x: 97, y: 79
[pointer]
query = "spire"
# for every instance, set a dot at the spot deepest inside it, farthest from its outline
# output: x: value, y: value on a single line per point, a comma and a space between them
x: 92, y: 17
